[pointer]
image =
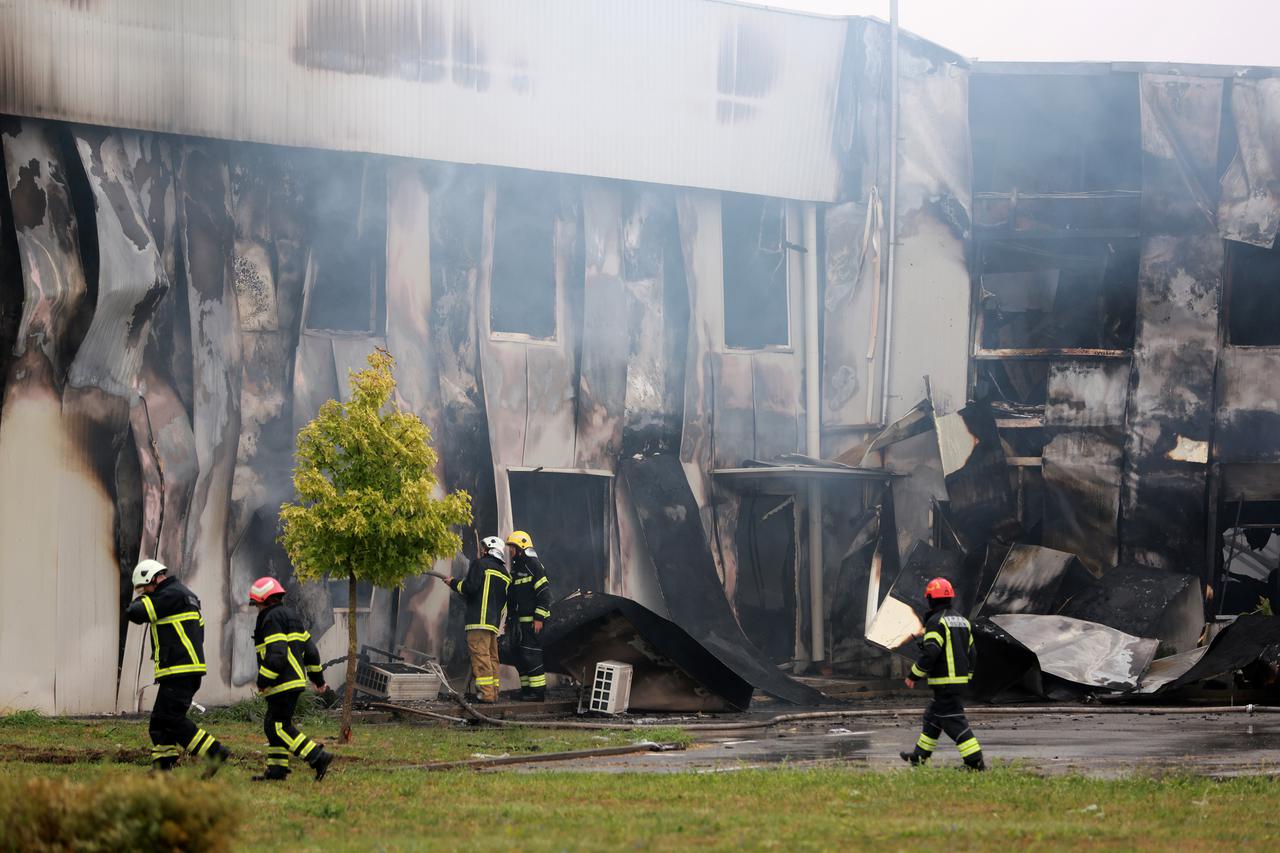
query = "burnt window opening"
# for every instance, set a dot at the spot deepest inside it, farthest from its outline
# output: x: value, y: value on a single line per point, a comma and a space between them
x: 348, y: 256
x: 1053, y: 296
x: 566, y: 515
x: 1055, y: 133
x: 522, y: 291
x: 1253, y: 295
x: 757, y: 311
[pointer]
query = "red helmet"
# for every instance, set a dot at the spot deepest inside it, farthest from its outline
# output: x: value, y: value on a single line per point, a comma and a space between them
x: 939, y: 588
x: 264, y: 588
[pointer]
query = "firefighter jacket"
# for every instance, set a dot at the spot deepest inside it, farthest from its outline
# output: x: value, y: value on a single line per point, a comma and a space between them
x: 485, y: 591
x: 530, y: 597
x: 287, y: 655
x: 947, y: 654
x: 177, y: 628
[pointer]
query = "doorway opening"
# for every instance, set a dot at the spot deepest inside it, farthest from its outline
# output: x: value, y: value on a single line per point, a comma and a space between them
x: 765, y: 598
x: 567, y: 516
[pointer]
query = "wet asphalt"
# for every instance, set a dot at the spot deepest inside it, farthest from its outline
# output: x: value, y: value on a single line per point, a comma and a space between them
x: 1097, y: 745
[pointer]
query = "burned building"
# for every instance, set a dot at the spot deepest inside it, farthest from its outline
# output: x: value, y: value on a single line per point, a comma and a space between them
x: 668, y: 282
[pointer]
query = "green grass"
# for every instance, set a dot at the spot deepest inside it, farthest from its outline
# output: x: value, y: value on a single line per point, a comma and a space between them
x: 369, y: 802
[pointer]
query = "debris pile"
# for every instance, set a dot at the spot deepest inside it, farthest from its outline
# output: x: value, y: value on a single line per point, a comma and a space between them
x: 1048, y: 623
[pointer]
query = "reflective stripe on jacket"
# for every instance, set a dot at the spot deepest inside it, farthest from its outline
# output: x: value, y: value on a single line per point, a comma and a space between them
x: 287, y: 656
x: 177, y: 628
x: 946, y: 650
x: 485, y: 591
x: 530, y: 597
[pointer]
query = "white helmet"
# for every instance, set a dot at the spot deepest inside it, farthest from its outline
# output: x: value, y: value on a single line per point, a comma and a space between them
x: 146, y: 571
x: 494, y: 547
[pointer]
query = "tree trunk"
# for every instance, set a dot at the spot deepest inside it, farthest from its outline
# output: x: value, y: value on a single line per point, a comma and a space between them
x: 348, y: 695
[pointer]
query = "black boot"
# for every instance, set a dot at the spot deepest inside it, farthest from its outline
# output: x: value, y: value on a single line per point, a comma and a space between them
x: 216, y: 757
x: 915, y: 757
x: 163, y: 765
x: 273, y: 773
x: 532, y: 694
x: 320, y: 763
x: 974, y: 762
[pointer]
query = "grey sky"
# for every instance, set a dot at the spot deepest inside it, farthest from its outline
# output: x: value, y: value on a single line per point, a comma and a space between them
x: 1227, y: 32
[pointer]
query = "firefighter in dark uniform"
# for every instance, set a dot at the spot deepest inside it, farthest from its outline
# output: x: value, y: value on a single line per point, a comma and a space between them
x: 177, y: 647
x: 528, y: 606
x: 485, y: 590
x: 287, y: 657
x: 947, y: 656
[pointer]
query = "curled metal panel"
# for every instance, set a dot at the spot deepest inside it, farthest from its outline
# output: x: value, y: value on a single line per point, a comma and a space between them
x: 1081, y: 652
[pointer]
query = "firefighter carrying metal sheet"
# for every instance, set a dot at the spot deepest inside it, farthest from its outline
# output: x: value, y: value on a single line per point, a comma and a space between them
x: 947, y: 656
x: 177, y: 647
x: 528, y: 606
x: 485, y: 591
x: 287, y: 657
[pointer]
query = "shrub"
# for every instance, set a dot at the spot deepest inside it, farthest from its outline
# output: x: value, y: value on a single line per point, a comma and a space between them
x: 115, y: 813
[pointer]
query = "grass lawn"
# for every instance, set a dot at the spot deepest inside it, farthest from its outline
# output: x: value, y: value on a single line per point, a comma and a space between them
x: 372, y: 801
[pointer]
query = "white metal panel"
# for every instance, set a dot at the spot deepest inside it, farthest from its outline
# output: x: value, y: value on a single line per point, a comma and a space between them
x: 700, y: 94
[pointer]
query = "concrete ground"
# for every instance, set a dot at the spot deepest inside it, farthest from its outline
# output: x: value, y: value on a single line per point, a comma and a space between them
x: 1099, y: 745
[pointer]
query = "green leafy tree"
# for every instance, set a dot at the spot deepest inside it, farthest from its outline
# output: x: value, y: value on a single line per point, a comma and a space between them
x: 364, y: 477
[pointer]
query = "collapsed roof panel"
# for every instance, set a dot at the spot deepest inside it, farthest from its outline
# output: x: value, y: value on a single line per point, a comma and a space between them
x: 1149, y: 602
x: 1235, y: 646
x: 1081, y: 652
x: 898, y: 620
x: 671, y: 671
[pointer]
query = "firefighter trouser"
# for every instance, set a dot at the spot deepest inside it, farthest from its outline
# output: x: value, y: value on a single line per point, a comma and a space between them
x: 171, y: 730
x: 527, y: 651
x: 946, y: 714
x: 282, y: 736
x: 483, y: 646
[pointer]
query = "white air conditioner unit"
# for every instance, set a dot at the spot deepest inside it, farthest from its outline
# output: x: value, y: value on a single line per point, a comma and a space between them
x: 610, y: 689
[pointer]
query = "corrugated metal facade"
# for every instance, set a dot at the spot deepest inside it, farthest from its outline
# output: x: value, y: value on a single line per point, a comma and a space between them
x: 698, y: 94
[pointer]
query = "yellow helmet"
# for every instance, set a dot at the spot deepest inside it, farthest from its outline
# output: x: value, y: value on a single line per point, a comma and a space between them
x: 520, y: 539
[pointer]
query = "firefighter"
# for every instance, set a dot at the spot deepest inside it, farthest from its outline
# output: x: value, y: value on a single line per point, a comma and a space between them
x: 528, y: 606
x: 177, y: 647
x: 287, y: 657
x: 485, y: 590
x: 946, y: 661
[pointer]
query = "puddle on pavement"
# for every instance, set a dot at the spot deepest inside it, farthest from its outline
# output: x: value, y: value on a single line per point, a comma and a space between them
x: 853, y: 745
